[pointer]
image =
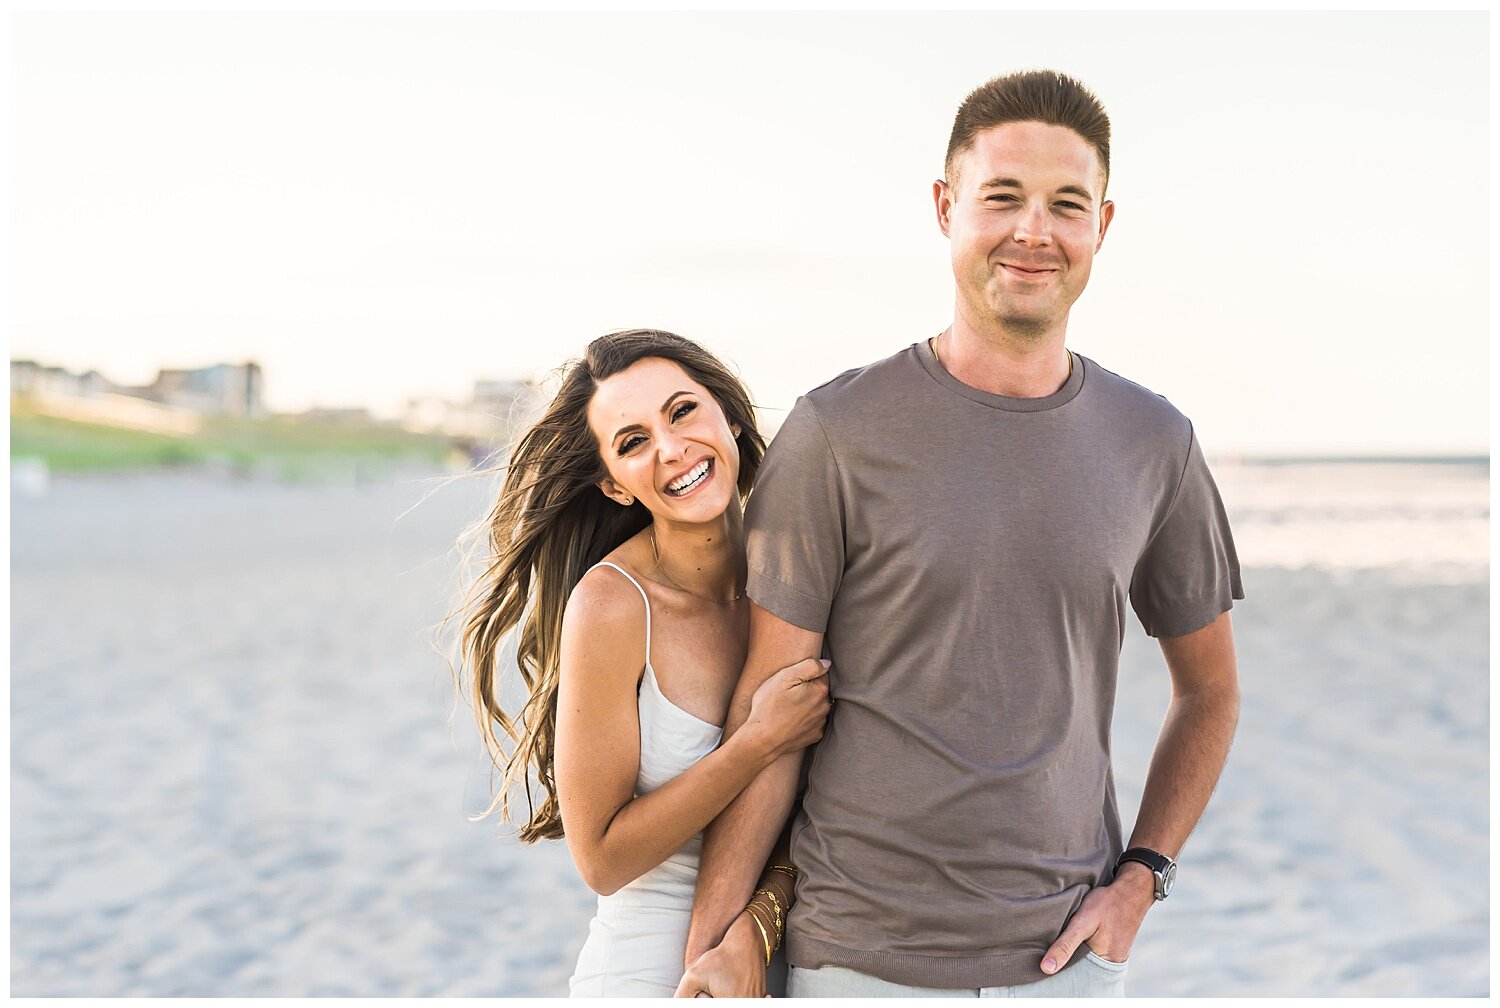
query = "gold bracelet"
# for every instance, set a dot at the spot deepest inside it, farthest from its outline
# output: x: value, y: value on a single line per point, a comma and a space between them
x: 777, y: 920
x: 770, y: 916
x: 776, y: 927
x: 788, y: 869
x: 764, y: 937
x: 773, y: 911
x: 785, y: 894
x: 767, y: 890
x: 771, y: 894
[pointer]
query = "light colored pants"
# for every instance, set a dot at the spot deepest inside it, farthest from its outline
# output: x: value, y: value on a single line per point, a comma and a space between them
x: 1090, y: 976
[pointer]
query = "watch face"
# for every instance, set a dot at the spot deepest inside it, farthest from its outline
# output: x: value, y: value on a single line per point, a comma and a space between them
x: 1168, y: 877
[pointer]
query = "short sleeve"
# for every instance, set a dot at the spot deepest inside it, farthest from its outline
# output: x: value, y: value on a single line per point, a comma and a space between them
x: 1189, y: 573
x: 794, y: 524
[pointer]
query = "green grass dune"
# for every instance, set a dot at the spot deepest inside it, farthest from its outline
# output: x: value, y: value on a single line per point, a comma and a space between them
x: 288, y: 446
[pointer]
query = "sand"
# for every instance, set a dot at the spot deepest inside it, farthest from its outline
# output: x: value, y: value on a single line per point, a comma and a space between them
x: 237, y: 768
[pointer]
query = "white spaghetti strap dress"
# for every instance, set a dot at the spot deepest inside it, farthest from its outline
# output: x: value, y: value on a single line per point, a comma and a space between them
x: 638, y: 935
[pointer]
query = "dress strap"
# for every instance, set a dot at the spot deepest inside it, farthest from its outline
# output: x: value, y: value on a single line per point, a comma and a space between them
x: 644, y: 598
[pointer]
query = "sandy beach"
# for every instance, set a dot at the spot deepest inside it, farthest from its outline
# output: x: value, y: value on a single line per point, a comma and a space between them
x: 238, y: 767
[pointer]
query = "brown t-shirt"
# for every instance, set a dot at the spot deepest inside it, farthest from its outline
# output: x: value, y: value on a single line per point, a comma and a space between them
x: 968, y: 557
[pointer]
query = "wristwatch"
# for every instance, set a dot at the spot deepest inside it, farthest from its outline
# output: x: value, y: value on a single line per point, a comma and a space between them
x: 1163, y: 867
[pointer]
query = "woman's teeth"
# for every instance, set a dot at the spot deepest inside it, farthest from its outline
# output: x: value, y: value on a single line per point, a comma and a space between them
x: 689, y: 479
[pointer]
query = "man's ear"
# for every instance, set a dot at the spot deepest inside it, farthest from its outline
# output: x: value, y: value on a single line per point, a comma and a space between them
x: 942, y: 201
x: 1106, y: 214
x: 615, y: 492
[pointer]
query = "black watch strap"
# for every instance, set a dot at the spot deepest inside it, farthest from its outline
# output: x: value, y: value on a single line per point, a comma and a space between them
x: 1146, y: 856
x: 1163, y: 867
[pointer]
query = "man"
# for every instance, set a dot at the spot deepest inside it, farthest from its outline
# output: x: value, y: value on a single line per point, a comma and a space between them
x: 959, y: 528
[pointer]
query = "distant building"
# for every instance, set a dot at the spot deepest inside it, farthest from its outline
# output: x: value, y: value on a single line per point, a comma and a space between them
x: 497, y: 407
x: 27, y: 377
x: 219, y: 390
x: 173, y: 404
x: 511, y: 402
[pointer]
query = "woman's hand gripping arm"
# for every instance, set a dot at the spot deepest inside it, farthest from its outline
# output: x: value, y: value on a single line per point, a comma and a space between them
x: 613, y: 835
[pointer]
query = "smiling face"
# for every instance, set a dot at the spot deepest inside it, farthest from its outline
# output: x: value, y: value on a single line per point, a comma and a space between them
x: 1025, y: 214
x: 665, y: 441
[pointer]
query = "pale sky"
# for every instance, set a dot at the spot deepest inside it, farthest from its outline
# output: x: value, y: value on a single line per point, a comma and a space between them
x: 381, y: 205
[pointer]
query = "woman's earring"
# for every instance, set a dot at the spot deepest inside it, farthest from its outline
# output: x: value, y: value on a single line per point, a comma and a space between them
x: 628, y: 501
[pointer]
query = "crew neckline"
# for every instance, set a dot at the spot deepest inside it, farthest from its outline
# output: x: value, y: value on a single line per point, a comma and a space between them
x: 1012, y: 404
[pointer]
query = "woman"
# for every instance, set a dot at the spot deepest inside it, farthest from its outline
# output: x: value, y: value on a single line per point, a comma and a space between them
x: 618, y: 548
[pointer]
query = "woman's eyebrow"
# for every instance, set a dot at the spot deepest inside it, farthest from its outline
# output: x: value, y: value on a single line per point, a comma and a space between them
x: 664, y: 407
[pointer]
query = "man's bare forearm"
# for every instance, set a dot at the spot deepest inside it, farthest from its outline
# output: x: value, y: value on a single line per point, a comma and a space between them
x: 735, y: 850
x: 1189, y: 757
x: 1195, y: 737
x: 736, y: 844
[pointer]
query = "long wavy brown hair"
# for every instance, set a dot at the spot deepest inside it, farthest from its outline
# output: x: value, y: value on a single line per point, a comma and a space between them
x: 549, y: 526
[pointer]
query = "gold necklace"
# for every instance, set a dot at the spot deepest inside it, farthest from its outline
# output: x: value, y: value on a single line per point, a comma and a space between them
x: 657, y: 554
x: 933, y: 344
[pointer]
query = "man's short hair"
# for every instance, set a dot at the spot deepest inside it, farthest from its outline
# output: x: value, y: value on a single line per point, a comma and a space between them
x: 1043, y: 96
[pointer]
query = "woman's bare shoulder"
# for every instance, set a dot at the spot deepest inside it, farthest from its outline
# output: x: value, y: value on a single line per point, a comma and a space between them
x: 604, y: 624
x: 604, y: 597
